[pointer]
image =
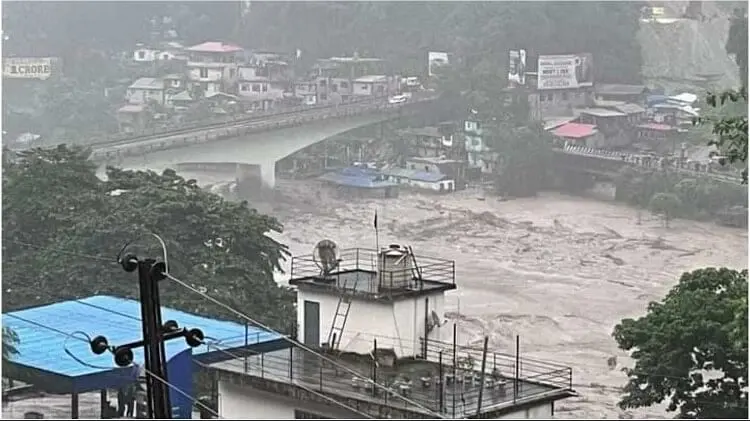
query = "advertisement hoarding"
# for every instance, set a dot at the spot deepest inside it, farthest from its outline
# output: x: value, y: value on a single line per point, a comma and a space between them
x: 28, y: 68
x: 434, y: 60
x: 569, y: 71
x: 517, y: 68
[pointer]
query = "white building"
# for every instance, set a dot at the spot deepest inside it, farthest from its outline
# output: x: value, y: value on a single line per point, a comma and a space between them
x: 212, y: 66
x: 256, y: 86
x: 373, y: 85
x: 370, y: 313
x: 144, y: 54
x: 145, y: 90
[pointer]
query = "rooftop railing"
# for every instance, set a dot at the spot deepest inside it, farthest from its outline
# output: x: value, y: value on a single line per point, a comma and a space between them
x: 417, y: 274
x: 430, y: 387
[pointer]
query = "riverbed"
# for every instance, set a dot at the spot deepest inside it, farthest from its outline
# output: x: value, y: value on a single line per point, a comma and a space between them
x: 559, y: 271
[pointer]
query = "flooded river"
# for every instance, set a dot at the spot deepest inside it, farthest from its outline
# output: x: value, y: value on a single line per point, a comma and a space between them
x: 559, y: 271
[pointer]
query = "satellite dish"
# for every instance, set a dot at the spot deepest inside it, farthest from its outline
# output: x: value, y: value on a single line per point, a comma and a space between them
x: 326, y: 256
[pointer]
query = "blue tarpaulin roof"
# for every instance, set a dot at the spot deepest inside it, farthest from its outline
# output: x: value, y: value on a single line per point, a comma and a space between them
x: 45, y: 333
x: 430, y: 177
x: 357, y: 177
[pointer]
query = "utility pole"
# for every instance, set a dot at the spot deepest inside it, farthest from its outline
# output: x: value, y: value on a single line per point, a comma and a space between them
x: 150, y: 272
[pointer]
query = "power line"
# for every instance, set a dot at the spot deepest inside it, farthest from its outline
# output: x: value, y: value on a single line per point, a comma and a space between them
x: 78, y: 360
x: 302, y: 346
x: 328, y: 398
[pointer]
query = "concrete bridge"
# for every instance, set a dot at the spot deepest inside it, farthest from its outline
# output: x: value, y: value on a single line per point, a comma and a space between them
x: 607, y: 163
x: 258, y: 142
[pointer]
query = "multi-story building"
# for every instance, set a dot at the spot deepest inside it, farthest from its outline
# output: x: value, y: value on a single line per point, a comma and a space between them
x: 146, y: 90
x: 373, y: 342
x: 256, y: 86
x: 212, y: 67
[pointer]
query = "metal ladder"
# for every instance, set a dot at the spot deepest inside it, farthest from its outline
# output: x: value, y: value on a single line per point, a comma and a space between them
x: 341, y: 315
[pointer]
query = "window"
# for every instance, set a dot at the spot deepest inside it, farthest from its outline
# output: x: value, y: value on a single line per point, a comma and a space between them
x: 264, y: 87
x: 344, y: 85
x: 334, y: 88
x: 364, y: 87
x: 232, y: 72
x: 564, y: 96
x: 256, y: 87
x: 305, y: 415
x: 323, y: 83
x: 244, y: 87
x: 323, y: 97
x: 203, y: 72
x: 549, y: 97
x: 381, y: 88
x: 426, y: 168
x: 141, y: 55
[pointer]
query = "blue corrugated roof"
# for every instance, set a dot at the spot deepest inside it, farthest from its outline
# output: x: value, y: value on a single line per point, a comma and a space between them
x: 43, y: 331
x: 417, y: 175
x: 357, y: 177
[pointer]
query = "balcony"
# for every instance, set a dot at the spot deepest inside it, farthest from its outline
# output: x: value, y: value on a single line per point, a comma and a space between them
x: 449, y: 383
x: 361, y: 271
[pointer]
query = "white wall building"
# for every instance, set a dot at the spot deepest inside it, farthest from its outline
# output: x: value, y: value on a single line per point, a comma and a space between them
x: 254, y: 85
x: 145, y: 90
x: 370, y: 313
x: 213, y: 67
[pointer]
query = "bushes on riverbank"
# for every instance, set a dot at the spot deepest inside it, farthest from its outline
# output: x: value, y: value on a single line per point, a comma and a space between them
x: 701, y: 198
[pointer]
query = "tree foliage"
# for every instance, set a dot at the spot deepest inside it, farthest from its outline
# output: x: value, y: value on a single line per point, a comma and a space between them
x: 701, y: 198
x: 691, y: 348
x: 525, y: 156
x: 666, y: 204
x: 10, y: 340
x: 56, y: 211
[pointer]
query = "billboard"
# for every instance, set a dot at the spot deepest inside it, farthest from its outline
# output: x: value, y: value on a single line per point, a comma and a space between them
x: 568, y: 71
x: 517, y: 68
x: 28, y: 68
x: 434, y: 60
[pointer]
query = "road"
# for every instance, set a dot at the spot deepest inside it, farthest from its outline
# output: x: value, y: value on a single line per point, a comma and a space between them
x: 117, y: 149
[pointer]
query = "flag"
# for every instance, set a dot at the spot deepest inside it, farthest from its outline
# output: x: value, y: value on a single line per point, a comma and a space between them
x: 375, y: 222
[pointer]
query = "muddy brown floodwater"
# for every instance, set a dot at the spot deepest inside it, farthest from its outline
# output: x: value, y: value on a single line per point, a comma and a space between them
x: 559, y: 271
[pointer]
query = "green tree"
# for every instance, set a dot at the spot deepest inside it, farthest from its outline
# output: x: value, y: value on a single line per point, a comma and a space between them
x: 10, y: 340
x: 525, y: 154
x: 54, y: 203
x: 666, y: 204
x: 691, y: 348
x: 730, y: 129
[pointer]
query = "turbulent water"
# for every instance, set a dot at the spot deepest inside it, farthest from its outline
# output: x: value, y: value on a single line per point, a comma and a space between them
x: 559, y: 271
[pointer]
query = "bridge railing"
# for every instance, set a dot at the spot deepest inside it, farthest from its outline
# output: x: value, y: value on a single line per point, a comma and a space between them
x: 222, y: 120
x: 114, y: 151
x: 654, y: 162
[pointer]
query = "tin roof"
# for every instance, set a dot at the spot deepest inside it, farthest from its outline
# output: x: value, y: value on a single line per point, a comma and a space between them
x: 575, y: 130
x: 148, y: 83
x: 601, y: 112
x: 417, y: 175
x: 214, y: 47
x: 46, y: 332
x: 630, y: 108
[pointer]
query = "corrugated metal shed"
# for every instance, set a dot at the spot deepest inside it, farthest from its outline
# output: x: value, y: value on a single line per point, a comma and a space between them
x: 430, y: 177
x: 357, y: 177
x: 601, y: 112
x: 45, y: 332
x: 630, y: 108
